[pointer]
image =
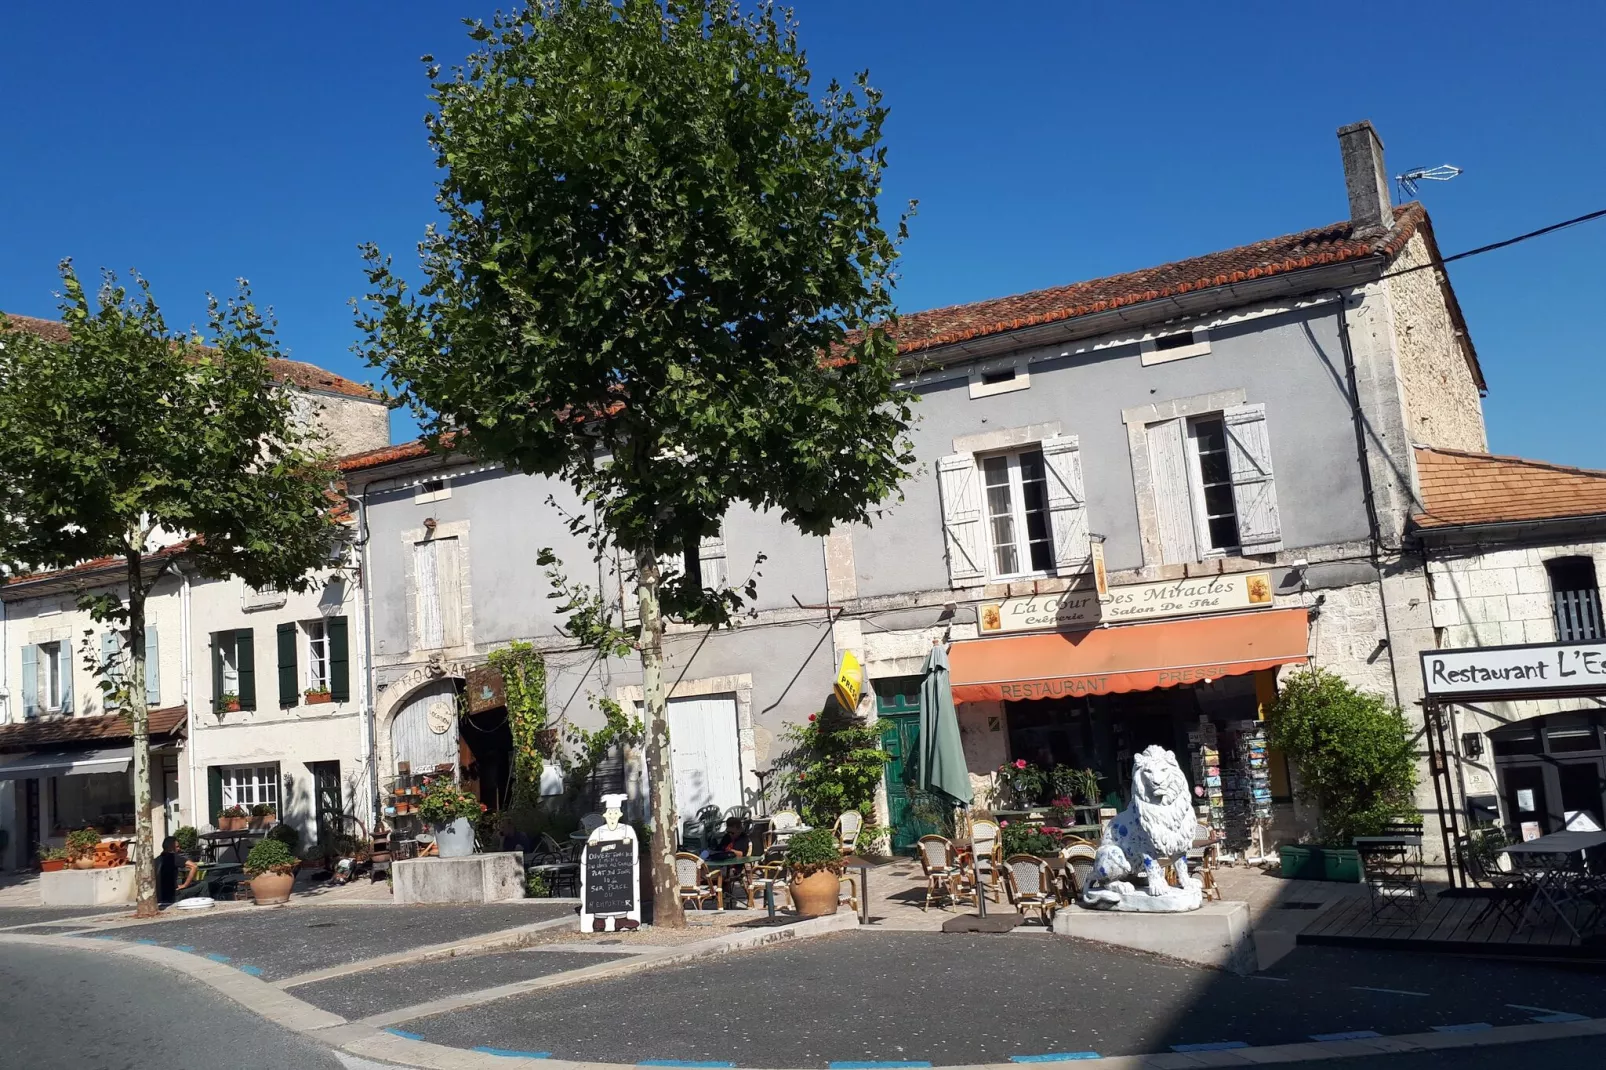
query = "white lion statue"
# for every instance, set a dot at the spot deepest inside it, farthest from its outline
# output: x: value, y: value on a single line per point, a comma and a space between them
x: 1154, y: 831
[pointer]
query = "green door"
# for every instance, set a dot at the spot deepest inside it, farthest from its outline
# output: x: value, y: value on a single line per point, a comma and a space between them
x: 898, y: 707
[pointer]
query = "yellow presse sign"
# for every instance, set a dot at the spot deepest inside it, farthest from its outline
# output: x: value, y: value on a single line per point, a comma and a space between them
x: 849, y: 681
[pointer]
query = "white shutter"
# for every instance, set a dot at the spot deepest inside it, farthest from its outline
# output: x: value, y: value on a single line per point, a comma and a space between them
x: 30, y: 682
x: 961, y: 517
x: 1173, y: 510
x: 705, y: 753
x: 449, y: 590
x: 427, y: 594
x: 64, y: 667
x: 1067, y: 505
x: 1254, y: 492
x: 153, y: 661
x: 711, y: 557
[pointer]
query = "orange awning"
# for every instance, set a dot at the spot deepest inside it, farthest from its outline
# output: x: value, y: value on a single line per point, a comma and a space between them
x: 1127, y: 657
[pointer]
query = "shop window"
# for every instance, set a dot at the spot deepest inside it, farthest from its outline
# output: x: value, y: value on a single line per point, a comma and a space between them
x: 249, y: 785
x: 1576, y: 598
x: 1016, y: 489
x: 92, y: 800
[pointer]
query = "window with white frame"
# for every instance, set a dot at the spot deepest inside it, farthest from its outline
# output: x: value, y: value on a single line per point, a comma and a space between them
x: 248, y: 785
x: 55, y: 676
x: 1008, y: 515
x: 1213, y: 485
x: 316, y: 633
x: 1016, y: 487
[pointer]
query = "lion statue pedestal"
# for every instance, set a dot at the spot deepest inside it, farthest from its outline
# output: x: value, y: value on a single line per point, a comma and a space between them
x: 1151, y: 835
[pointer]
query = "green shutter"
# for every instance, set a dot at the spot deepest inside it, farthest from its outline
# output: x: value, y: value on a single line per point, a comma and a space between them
x: 288, y: 693
x: 153, y: 668
x: 214, y: 793
x: 218, y: 639
x: 245, y: 648
x: 339, y: 660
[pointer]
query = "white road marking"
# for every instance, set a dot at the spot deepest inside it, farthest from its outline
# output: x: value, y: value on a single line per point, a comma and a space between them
x: 1389, y: 991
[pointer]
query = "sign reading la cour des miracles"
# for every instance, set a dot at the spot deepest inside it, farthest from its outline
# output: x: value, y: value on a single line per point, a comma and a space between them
x: 1515, y: 669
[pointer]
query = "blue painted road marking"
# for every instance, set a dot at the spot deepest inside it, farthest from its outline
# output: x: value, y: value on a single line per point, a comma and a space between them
x: 215, y: 957
x: 683, y: 1062
x: 183, y: 947
x: 1465, y: 1027
x: 254, y: 971
x: 404, y: 1034
x: 1354, y: 1034
x: 512, y: 1054
x: 1220, y: 1045
x: 147, y: 942
x: 1054, y: 1057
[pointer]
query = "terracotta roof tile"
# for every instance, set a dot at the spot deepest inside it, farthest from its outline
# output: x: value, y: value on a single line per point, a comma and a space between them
x: 295, y: 372
x: 1293, y: 252
x: 28, y: 735
x: 404, y: 451
x: 99, y: 564
x: 1461, y: 488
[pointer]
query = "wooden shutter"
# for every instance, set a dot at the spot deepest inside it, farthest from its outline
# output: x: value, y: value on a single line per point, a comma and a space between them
x: 153, y: 670
x: 711, y: 560
x: 64, y: 667
x: 245, y: 653
x: 1067, y: 504
x: 449, y: 593
x: 217, y: 669
x: 427, y: 593
x: 1254, y: 492
x: 110, y: 646
x: 1173, y: 495
x: 214, y: 792
x: 289, y: 693
x: 961, y: 518
x: 30, y: 682
x: 339, y: 659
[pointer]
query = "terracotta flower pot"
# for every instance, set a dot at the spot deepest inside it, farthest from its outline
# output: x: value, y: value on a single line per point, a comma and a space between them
x: 52, y: 865
x: 262, y: 822
x: 319, y: 698
x: 270, y: 888
x: 231, y: 824
x: 85, y: 862
x: 817, y: 894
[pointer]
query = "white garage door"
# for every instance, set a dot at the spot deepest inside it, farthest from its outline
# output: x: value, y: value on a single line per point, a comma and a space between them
x: 707, y: 757
x: 412, y: 734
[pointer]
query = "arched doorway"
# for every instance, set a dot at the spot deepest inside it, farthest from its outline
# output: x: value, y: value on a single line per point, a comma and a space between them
x: 1552, y: 772
x: 424, y: 731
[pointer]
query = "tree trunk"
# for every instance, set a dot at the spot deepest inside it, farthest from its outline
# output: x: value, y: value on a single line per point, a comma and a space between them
x: 666, y: 909
x: 144, y: 856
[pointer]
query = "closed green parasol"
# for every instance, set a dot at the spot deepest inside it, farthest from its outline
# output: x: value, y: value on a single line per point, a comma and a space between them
x: 942, y: 769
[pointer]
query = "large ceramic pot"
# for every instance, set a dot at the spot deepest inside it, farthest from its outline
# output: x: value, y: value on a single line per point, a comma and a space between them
x: 84, y: 862
x: 270, y: 888
x: 817, y: 894
x: 455, y: 840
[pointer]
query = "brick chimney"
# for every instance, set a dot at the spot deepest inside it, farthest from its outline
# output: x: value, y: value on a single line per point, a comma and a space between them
x: 1370, y: 209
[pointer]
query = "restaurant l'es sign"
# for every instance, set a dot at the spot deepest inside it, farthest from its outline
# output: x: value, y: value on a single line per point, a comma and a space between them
x: 1515, y: 669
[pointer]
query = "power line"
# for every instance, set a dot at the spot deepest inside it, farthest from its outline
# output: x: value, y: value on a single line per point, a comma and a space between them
x: 1501, y: 244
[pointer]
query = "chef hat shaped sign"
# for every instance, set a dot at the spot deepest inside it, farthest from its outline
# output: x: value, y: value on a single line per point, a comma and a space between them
x: 613, y: 802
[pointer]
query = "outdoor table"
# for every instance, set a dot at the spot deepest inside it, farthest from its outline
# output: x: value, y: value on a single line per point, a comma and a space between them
x: 863, y: 866
x: 1392, y: 869
x: 1554, y: 860
x: 232, y: 839
x: 718, y: 869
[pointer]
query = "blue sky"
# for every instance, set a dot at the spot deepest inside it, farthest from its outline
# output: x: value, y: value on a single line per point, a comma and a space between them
x: 1046, y: 143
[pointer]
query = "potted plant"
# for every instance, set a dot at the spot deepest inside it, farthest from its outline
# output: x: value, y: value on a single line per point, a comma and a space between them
x: 318, y: 695
x: 228, y: 702
x: 52, y: 859
x: 1022, y: 839
x: 451, y: 814
x: 271, y: 867
x: 1025, y: 781
x: 81, y: 845
x: 189, y: 840
x: 1355, y: 759
x: 263, y: 815
x: 232, y: 819
x: 815, y: 863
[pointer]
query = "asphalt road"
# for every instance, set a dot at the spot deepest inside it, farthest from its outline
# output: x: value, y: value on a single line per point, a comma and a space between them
x: 960, y: 999
x: 85, y: 1010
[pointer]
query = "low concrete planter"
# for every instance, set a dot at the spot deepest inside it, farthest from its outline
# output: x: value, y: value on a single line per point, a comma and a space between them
x: 87, y: 887
x: 483, y: 878
x: 455, y: 840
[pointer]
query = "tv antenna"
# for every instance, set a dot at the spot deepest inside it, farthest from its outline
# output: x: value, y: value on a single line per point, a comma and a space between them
x: 1407, y: 180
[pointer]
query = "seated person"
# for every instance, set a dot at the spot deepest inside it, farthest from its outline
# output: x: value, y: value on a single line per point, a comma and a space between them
x: 732, y: 843
x: 514, y: 840
x: 167, y: 865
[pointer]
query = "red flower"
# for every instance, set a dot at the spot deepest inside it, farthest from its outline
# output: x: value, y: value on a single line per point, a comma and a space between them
x: 1020, y: 763
x: 1003, y: 824
x: 812, y: 716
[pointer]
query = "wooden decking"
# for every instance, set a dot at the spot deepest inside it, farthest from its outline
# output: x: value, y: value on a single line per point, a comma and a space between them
x: 1449, y: 923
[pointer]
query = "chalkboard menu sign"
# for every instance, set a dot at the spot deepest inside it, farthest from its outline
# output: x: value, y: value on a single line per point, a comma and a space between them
x: 609, y: 879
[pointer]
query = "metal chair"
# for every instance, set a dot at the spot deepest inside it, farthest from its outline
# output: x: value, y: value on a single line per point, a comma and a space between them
x: 985, y: 847
x: 1031, y: 886
x: 592, y: 822
x: 941, y: 870
x: 848, y: 825
x: 695, y: 887
x: 743, y: 812
x: 1508, y: 893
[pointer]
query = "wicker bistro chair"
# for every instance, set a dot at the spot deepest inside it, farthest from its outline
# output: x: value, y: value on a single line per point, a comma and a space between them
x: 695, y: 886
x: 944, y: 878
x: 1079, y: 861
x: 1031, y: 886
x: 985, y: 846
x: 782, y: 823
x: 848, y: 825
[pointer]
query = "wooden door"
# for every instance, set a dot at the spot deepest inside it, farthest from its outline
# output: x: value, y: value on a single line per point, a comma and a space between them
x: 900, y: 738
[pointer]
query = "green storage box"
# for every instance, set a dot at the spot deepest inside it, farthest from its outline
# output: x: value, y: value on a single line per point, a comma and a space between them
x: 1341, y: 864
x: 1299, y: 865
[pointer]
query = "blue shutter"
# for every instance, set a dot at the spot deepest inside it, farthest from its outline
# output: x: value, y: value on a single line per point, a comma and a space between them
x: 153, y: 675
x: 30, y: 682
x: 110, y: 642
x: 64, y: 666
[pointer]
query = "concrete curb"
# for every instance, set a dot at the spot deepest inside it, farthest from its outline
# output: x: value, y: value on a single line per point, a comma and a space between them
x: 502, y: 939
x: 718, y: 945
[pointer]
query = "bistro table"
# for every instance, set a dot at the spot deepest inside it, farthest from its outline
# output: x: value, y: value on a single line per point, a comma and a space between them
x: 720, y: 870
x: 863, y: 866
x: 1554, y: 861
x: 231, y: 840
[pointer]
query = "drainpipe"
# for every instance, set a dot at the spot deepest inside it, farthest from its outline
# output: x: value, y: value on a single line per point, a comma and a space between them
x: 365, y: 612
x: 187, y: 688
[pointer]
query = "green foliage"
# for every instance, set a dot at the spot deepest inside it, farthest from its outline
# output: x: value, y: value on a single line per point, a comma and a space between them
x: 834, y: 763
x: 588, y: 749
x: 535, y: 887
x: 287, y: 835
x: 810, y: 852
x: 188, y: 838
x: 1354, y: 753
x: 1019, y: 838
x: 443, y: 802
x: 233, y: 811
x: 81, y: 842
x: 523, y: 672
x: 51, y: 854
x: 263, y: 810
x: 269, y: 855
x: 1025, y: 781
x: 1079, y: 785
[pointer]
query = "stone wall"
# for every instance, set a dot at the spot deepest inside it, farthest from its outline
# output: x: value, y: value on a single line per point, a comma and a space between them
x: 352, y: 424
x: 1442, y: 402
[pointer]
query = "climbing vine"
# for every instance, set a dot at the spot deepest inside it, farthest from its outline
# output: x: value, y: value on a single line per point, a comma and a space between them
x: 523, y: 672
x: 588, y: 749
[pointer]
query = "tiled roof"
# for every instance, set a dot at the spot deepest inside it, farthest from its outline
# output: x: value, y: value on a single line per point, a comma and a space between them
x: 295, y: 372
x: 1478, y: 488
x: 99, y: 564
x: 1311, y: 248
x: 405, y: 451
x: 70, y: 730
